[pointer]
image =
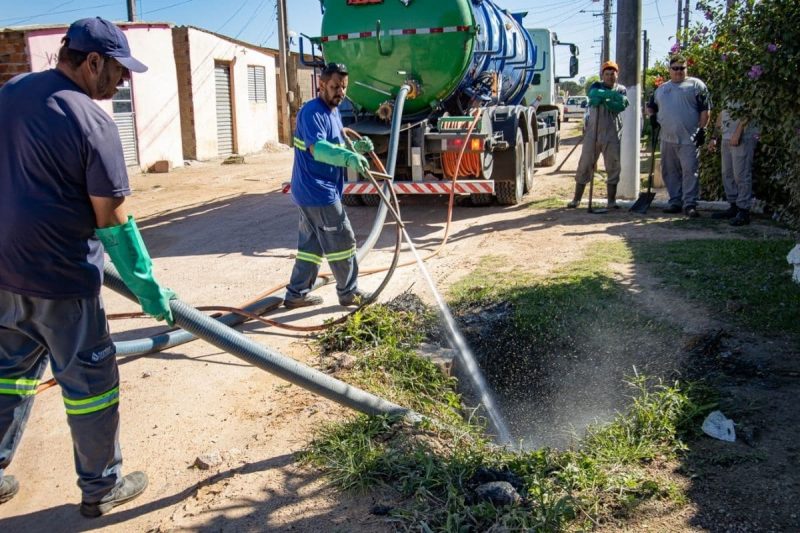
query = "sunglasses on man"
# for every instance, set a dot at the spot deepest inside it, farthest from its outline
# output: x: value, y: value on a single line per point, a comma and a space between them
x: 678, y: 69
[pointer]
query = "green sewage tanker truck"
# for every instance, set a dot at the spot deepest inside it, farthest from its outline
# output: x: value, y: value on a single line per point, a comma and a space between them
x: 461, y: 59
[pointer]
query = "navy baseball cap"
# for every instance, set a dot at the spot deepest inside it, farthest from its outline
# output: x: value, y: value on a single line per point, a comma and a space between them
x: 101, y: 36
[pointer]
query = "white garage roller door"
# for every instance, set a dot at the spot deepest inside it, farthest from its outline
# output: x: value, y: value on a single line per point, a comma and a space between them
x: 222, y: 75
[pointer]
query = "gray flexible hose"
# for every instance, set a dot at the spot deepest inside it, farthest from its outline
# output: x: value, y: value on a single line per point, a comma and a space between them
x: 176, y: 338
x: 170, y: 339
x: 391, y: 162
x: 233, y: 342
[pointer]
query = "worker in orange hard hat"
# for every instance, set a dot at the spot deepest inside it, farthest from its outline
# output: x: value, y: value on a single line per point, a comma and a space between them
x: 610, y: 65
x: 602, y: 133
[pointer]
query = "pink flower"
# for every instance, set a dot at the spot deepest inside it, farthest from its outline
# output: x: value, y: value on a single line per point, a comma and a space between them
x: 772, y: 48
x: 755, y: 72
x: 675, y: 48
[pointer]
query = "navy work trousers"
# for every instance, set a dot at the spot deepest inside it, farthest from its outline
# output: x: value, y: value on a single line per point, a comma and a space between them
x: 325, y: 231
x: 74, y: 334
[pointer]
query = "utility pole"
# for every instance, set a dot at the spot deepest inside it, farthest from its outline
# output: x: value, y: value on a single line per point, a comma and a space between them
x: 685, y: 22
x: 285, y: 127
x: 131, y: 10
x: 629, y: 32
x: 645, y: 63
x: 606, y: 31
x: 678, y: 29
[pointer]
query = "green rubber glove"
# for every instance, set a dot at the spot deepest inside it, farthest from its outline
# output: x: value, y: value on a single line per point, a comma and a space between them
x: 126, y: 248
x: 339, y: 156
x: 363, y: 145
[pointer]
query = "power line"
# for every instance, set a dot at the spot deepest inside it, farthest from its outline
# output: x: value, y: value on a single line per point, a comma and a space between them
x: 31, y: 17
x: 166, y: 7
x: 244, y: 2
x: 249, y: 20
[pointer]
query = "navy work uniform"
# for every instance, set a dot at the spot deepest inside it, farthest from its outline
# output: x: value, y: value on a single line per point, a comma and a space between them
x: 58, y: 147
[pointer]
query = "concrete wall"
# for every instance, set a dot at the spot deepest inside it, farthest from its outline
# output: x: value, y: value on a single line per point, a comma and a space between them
x: 155, y: 92
x: 255, y: 124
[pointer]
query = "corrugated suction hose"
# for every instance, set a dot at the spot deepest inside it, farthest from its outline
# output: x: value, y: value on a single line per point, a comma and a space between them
x: 235, y: 343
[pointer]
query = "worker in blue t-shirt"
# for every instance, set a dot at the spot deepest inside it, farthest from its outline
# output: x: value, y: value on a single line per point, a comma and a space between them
x: 317, y: 184
x: 63, y: 182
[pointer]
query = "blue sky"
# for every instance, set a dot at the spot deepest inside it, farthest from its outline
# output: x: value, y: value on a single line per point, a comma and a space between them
x: 254, y: 20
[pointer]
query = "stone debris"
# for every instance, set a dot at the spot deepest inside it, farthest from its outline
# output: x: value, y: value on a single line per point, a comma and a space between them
x: 207, y: 461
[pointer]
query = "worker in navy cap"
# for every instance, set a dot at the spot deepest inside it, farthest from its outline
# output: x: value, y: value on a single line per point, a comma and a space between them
x: 63, y: 184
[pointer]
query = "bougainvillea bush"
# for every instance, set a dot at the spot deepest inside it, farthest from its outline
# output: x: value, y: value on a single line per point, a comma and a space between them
x: 750, y: 53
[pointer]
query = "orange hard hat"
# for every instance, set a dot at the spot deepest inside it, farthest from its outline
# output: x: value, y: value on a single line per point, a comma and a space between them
x: 609, y: 65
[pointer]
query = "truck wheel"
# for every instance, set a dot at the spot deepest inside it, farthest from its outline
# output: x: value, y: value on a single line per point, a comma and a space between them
x: 478, y: 200
x: 371, y: 199
x: 352, y: 200
x: 530, y: 157
x: 510, y: 191
x: 551, y: 160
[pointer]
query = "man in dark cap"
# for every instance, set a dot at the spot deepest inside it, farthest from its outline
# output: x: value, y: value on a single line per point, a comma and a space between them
x: 63, y: 183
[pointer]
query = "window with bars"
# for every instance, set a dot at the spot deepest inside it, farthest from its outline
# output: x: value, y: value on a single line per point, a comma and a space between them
x: 256, y: 83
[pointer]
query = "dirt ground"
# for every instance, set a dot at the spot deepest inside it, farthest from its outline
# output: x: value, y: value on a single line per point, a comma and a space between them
x: 221, y: 234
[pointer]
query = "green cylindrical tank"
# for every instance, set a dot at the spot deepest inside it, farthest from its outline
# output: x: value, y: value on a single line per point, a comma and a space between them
x: 386, y: 42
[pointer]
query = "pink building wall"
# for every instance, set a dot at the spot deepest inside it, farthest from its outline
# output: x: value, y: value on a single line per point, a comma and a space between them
x: 155, y: 92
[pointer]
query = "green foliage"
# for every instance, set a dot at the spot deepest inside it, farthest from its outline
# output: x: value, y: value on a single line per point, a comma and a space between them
x: 751, y: 55
x: 571, y: 88
x: 589, y: 81
x: 375, y: 325
x: 750, y: 273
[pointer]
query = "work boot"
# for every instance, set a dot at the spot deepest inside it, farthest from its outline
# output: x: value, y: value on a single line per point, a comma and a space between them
x: 131, y: 486
x: 9, y: 486
x: 672, y: 209
x: 356, y: 297
x: 304, y: 301
x: 576, y: 200
x: 691, y: 212
x: 612, y: 196
x: 742, y: 218
x: 728, y: 213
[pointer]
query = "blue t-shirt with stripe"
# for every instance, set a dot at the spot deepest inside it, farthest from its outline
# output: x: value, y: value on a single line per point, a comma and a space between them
x: 57, y: 148
x: 316, y: 184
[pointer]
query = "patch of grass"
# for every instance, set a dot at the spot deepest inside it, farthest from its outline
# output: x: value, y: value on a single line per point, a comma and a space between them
x: 545, y: 309
x: 547, y: 203
x: 437, y: 469
x: 747, y: 280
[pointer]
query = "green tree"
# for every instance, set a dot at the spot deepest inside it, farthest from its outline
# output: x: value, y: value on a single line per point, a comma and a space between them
x: 589, y: 81
x: 572, y: 88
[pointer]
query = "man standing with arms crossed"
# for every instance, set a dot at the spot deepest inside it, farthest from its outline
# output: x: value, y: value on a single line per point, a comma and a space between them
x: 682, y: 106
x: 317, y: 184
x: 602, y: 134
x: 63, y: 182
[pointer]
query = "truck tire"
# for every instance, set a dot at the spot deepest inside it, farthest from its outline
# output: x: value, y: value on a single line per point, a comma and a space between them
x: 509, y: 191
x: 551, y: 160
x: 371, y: 199
x: 530, y: 157
x: 478, y: 200
x: 352, y: 200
